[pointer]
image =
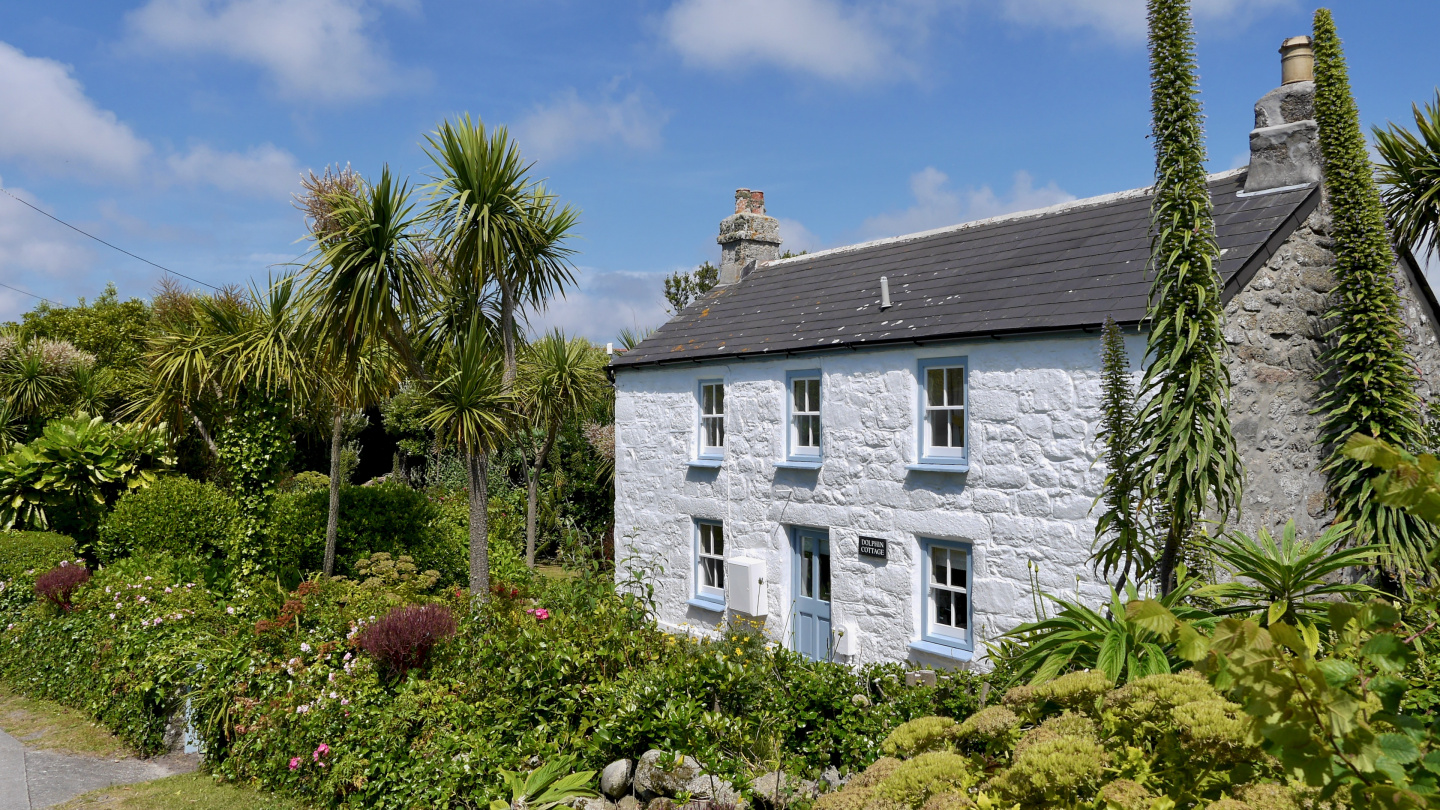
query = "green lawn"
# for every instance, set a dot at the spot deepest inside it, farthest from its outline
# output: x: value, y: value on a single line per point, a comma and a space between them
x: 52, y: 727
x: 188, y: 791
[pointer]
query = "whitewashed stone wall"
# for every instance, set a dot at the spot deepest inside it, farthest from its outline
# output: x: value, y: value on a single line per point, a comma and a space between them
x: 1026, y: 499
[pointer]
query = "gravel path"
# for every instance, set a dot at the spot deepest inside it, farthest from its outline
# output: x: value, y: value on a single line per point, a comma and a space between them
x: 30, y: 780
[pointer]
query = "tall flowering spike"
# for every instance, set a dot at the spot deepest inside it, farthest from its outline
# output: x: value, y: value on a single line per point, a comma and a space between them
x: 1369, y: 378
x: 1184, y: 428
x: 1120, y: 544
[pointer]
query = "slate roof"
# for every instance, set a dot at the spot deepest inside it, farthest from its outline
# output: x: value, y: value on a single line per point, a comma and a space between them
x: 1056, y: 269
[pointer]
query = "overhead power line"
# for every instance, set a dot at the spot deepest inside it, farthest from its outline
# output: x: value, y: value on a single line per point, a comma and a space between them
x: 32, y: 295
x: 106, y: 244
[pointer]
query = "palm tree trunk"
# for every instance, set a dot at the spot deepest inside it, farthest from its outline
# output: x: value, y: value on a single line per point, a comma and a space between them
x: 332, y: 525
x: 477, y: 465
x: 204, y: 432
x: 507, y: 332
x: 533, y: 495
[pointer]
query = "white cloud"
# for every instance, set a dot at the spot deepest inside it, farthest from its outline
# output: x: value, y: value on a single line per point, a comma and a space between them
x: 569, y: 124
x: 795, y: 237
x: 37, y: 254
x: 312, y: 49
x: 1125, y: 19
x: 937, y: 206
x: 47, y: 120
x: 602, y: 303
x: 825, y: 38
x: 263, y: 171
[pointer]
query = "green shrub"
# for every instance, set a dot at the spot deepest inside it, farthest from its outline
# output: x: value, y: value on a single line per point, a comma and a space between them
x: 306, y: 481
x: 32, y: 551
x: 915, y: 781
x: 176, y: 514
x: 918, y: 736
x: 389, y: 517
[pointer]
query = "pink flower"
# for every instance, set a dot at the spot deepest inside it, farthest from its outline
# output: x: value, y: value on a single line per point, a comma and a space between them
x: 540, y: 613
x: 294, y: 763
x: 320, y: 751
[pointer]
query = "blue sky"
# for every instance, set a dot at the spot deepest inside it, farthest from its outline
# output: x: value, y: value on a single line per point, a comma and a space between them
x: 177, y: 129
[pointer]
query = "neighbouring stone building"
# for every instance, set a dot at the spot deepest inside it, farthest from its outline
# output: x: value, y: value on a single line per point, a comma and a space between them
x: 882, y: 450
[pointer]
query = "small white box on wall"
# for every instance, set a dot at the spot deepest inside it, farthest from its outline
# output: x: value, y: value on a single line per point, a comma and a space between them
x: 847, y: 639
x: 745, y: 586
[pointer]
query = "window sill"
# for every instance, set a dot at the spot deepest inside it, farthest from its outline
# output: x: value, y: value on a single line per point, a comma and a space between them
x: 707, y: 603
x: 706, y: 463
x: 799, y: 464
x: 942, y: 650
x: 940, y: 467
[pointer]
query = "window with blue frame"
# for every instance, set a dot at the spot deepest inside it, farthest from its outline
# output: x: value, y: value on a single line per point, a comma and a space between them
x: 947, y: 593
x: 942, y: 414
x: 710, y: 562
x: 712, y: 419
x: 804, y: 406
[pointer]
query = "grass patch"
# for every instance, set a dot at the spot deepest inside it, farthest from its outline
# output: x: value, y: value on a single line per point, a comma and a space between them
x: 556, y: 572
x: 52, y: 727
x: 186, y: 792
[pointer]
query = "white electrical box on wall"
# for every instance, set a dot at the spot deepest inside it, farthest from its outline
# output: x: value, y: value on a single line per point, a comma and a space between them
x: 745, y: 586
x: 847, y: 639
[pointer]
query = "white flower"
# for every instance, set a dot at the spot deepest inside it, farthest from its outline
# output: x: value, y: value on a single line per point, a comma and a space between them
x: 332, y: 677
x: 333, y: 695
x: 345, y: 702
x: 107, y: 588
x: 347, y: 657
x: 167, y: 589
x: 304, y: 646
x: 147, y: 579
x: 302, y: 709
x: 112, y: 615
x: 230, y: 610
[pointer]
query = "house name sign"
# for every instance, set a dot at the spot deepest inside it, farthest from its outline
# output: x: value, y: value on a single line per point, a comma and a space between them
x: 872, y: 547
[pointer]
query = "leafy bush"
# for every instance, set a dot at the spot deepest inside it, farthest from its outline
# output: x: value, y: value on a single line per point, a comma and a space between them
x: 918, y: 736
x: 389, y: 517
x: 66, y: 477
x: 402, y: 640
x: 125, y: 650
x: 58, y: 585
x: 32, y: 551
x: 306, y: 481
x: 175, y: 514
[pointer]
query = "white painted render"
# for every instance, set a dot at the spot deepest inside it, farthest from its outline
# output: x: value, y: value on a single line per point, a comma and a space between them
x: 1027, y: 497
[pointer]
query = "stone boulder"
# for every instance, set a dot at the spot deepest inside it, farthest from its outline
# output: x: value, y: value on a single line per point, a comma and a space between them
x: 627, y: 803
x: 599, y: 803
x: 660, y: 774
x: 712, y: 789
x: 778, y: 789
x: 615, y: 779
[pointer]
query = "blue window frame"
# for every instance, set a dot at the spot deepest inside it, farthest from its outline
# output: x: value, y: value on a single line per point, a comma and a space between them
x: 709, y: 565
x: 942, y: 415
x: 948, y: 617
x: 802, y: 411
x: 710, y: 442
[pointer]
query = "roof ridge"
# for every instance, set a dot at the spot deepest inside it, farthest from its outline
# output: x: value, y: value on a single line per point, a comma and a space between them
x: 1087, y: 202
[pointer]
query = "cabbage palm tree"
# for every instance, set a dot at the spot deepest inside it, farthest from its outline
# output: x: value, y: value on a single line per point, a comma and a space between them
x: 1410, y: 177
x: 559, y: 377
x: 363, y: 296
x: 471, y: 410
x: 495, y: 225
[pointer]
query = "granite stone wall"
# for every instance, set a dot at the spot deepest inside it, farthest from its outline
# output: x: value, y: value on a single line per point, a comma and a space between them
x: 1275, y: 331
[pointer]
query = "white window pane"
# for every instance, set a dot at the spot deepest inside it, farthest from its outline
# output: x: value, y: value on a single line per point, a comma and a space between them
x: 957, y: 427
x: 939, y: 429
x: 954, y: 386
x: 935, y: 386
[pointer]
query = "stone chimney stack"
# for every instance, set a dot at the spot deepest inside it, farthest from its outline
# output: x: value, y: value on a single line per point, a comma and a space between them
x: 1284, y: 146
x: 747, y: 236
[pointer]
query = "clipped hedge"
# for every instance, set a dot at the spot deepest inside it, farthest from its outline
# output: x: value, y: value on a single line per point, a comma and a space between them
x: 32, y: 551
x: 175, y: 514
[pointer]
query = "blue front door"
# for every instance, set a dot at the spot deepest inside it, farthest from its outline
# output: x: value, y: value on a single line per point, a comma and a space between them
x: 811, y: 621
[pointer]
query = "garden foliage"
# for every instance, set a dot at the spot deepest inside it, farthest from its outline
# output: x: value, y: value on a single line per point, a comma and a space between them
x: 66, y: 478
x: 1409, y: 173
x: 176, y: 514
x: 32, y: 551
x: 1122, y: 543
x: 1369, y: 382
x: 1191, y: 462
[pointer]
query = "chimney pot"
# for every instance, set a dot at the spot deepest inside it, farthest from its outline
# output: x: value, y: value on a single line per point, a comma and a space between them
x: 748, y: 238
x: 1297, y: 60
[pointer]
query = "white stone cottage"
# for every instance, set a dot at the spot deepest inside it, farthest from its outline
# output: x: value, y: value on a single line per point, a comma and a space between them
x: 877, y: 449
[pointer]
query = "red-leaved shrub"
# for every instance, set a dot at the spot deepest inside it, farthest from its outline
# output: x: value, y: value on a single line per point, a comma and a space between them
x: 57, y: 585
x: 402, y: 640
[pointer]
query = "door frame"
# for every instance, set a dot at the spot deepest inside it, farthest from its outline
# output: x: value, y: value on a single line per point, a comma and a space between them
x: 796, y: 591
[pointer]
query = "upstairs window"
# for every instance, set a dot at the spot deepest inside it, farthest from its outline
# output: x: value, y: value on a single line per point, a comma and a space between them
x: 942, y: 411
x: 712, y: 418
x: 947, y: 598
x: 805, y: 415
x: 710, y: 560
